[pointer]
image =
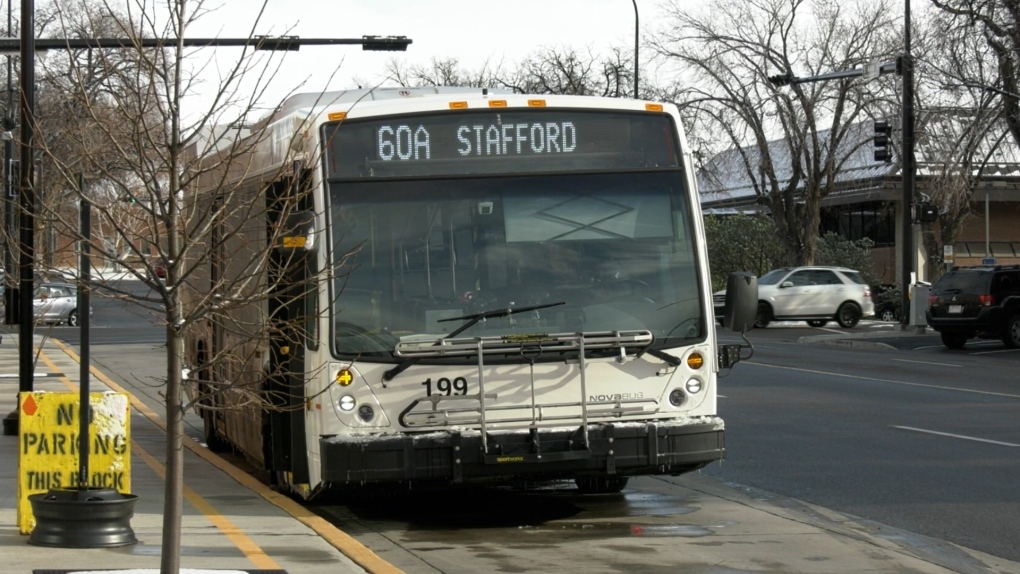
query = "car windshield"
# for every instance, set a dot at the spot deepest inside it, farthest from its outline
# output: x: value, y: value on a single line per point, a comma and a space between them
x: 598, y: 252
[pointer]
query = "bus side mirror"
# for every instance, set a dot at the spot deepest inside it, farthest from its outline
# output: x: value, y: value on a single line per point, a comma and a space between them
x: 741, y: 301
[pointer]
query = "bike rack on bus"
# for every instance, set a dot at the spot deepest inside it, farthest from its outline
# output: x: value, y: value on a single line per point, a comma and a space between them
x: 529, y: 346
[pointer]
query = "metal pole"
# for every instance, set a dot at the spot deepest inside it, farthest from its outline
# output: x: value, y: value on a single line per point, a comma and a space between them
x: 84, y: 305
x: 9, y: 183
x: 908, y: 166
x: 636, y: 37
x: 988, y: 245
x: 26, y: 337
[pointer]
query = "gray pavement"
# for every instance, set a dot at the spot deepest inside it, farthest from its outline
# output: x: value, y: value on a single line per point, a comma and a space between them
x: 232, y: 522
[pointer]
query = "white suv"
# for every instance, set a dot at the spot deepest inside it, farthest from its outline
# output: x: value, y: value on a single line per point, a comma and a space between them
x: 813, y: 294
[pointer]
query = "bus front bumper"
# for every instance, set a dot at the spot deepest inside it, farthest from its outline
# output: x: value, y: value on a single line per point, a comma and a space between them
x: 615, y: 449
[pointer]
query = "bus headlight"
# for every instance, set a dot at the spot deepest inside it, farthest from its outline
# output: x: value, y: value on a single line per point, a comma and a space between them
x: 677, y: 397
x: 347, y: 403
x: 693, y: 386
x: 366, y: 413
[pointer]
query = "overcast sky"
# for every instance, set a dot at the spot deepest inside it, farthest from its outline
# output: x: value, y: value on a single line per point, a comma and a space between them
x: 472, y: 31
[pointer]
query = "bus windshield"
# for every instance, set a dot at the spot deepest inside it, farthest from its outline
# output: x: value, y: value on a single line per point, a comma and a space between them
x: 615, y: 249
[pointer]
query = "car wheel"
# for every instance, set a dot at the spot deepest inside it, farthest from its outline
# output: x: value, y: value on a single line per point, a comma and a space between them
x: 848, y: 315
x: 72, y: 318
x: 764, y: 316
x: 600, y: 484
x: 1011, y: 336
x: 817, y: 323
x: 887, y: 314
x: 954, y: 340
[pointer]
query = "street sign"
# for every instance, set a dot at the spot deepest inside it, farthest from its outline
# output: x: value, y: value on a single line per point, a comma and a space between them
x: 988, y: 261
x: 872, y: 70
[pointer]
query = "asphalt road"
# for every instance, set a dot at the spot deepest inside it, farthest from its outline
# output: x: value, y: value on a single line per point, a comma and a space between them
x: 906, y: 432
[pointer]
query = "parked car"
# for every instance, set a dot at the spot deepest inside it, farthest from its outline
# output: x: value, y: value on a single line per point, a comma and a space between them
x: 56, y: 303
x: 887, y: 300
x: 976, y: 302
x: 816, y: 294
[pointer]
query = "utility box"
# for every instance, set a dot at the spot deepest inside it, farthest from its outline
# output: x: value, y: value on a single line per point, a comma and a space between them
x: 919, y: 293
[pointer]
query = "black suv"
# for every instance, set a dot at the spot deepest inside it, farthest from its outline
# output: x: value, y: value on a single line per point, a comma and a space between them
x: 980, y: 302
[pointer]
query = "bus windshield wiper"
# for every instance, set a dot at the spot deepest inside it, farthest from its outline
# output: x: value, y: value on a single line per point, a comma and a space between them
x: 471, y: 320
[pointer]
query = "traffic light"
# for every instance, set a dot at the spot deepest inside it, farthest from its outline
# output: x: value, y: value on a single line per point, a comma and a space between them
x: 883, y: 151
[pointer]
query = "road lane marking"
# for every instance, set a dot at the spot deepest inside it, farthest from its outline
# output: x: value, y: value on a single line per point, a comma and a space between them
x: 960, y: 436
x: 928, y: 363
x: 817, y: 372
x: 996, y: 351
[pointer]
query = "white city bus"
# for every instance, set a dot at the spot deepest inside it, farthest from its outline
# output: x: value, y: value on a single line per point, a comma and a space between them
x: 508, y: 288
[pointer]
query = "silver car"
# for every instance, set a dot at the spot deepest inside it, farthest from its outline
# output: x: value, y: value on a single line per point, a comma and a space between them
x: 56, y: 303
x: 814, y: 294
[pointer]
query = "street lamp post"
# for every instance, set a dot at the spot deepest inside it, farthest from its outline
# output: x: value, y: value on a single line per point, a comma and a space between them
x: 636, y: 38
x: 908, y: 164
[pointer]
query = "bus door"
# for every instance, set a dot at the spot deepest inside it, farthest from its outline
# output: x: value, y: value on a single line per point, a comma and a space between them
x: 291, y: 307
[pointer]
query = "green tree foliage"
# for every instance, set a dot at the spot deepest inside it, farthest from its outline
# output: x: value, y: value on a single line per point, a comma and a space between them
x: 837, y: 251
x: 751, y: 243
x: 742, y: 243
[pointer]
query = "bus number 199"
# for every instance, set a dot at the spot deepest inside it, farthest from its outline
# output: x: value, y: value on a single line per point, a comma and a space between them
x: 444, y: 386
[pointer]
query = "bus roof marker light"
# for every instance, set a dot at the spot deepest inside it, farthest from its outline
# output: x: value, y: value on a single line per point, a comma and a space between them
x: 497, y: 103
x: 536, y: 103
x: 458, y: 105
x: 653, y: 107
x: 337, y: 116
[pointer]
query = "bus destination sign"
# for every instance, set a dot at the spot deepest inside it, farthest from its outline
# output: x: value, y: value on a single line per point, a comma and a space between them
x: 461, y: 143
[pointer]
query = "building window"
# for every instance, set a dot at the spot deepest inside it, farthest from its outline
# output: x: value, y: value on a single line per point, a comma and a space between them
x: 875, y: 221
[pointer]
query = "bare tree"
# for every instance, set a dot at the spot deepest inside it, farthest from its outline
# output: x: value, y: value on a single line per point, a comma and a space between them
x: 998, y: 21
x: 723, y: 73
x: 964, y: 122
x: 181, y: 192
x: 547, y: 71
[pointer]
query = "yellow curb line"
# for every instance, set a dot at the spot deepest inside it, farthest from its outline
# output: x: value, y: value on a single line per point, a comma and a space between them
x: 350, y: 547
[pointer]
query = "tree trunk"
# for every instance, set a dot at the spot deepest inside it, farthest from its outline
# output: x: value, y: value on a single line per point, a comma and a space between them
x: 170, y: 562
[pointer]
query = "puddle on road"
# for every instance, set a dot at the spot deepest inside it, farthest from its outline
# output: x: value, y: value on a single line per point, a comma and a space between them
x: 619, y: 530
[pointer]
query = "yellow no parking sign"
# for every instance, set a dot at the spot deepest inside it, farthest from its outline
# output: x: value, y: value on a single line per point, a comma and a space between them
x: 48, y: 425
